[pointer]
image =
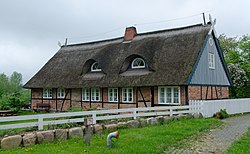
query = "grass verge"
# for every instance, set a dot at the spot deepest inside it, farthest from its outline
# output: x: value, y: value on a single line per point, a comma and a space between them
x: 241, y: 146
x: 153, y: 139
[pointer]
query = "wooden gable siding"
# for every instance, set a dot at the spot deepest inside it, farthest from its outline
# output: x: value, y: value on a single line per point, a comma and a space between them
x: 202, y: 74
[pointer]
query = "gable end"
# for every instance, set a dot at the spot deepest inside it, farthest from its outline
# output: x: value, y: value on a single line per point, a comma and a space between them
x: 202, y: 73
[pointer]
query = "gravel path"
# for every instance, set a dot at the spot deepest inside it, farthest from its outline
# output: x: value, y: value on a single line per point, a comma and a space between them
x: 218, y: 140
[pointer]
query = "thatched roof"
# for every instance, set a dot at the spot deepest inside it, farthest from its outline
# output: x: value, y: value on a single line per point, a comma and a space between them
x: 169, y: 54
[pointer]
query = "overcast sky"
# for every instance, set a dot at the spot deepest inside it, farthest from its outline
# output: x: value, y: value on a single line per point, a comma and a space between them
x: 30, y: 29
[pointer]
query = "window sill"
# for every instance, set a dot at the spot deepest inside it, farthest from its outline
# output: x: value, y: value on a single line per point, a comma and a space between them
x: 169, y: 103
x: 47, y: 97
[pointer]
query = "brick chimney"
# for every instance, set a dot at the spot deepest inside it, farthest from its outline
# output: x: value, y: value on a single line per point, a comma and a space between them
x: 130, y: 33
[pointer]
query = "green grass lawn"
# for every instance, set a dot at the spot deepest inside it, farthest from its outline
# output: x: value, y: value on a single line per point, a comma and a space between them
x: 241, y: 146
x: 153, y: 139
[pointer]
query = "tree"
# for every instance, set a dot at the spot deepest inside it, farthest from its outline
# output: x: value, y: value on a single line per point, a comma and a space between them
x: 15, y: 82
x: 12, y: 96
x: 4, y: 84
x: 237, y: 56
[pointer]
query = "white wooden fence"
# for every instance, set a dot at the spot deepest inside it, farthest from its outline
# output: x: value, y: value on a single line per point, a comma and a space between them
x: 42, y: 120
x: 209, y: 107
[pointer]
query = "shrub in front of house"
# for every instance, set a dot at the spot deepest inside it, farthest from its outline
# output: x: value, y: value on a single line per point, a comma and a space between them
x: 222, y: 114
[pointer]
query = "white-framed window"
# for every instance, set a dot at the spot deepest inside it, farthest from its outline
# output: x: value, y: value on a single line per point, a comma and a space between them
x: 211, y: 42
x: 113, y: 94
x: 47, y: 93
x: 211, y: 60
x: 127, y: 95
x: 95, y: 94
x: 169, y: 95
x: 60, y: 93
x: 95, y: 67
x: 138, y: 63
x: 85, y: 94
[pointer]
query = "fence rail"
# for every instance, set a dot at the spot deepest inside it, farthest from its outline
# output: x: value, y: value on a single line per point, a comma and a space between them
x: 207, y: 108
x: 97, y: 115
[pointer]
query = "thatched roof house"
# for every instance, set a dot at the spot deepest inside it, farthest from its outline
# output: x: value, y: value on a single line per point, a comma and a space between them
x: 166, y: 67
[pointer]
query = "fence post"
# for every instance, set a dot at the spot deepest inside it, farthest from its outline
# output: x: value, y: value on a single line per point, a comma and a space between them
x: 40, y: 123
x: 134, y: 114
x: 171, y: 112
x: 94, y: 118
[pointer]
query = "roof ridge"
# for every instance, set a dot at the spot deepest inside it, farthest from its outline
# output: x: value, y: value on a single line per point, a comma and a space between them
x: 139, y: 34
x: 172, y: 29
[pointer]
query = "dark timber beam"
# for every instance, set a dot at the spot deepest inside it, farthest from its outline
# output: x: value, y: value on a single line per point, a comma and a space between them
x: 64, y: 99
x: 42, y: 96
x: 152, y: 96
x: 212, y: 92
x: 102, y: 98
x: 186, y: 95
x: 70, y: 102
x: 142, y: 97
x: 136, y: 97
x: 216, y: 92
x: 201, y: 92
x: 56, y: 99
x: 81, y: 99
x: 119, y: 99
x: 90, y: 97
x: 206, y: 92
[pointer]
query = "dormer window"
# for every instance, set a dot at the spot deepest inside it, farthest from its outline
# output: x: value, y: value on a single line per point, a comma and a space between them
x: 138, y: 63
x: 95, y: 67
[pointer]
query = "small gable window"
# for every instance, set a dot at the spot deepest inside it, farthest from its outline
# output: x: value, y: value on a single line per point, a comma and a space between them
x: 211, y: 61
x: 138, y: 63
x: 95, y: 67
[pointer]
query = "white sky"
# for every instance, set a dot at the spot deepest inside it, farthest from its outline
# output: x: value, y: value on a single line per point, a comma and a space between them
x: 30, y: 29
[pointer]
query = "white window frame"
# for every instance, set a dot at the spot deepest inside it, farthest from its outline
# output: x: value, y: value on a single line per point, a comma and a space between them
x: 172, y: 95
x: 211, y: 43
x: 95, y: 69
x: 111, y: 94
x: 47, y: 93
x: 211, y: 60
x: 95, y: 93
x: 144, y: 65
x: 125, y: 91
x: 85, y: 94
x: 60, y: 93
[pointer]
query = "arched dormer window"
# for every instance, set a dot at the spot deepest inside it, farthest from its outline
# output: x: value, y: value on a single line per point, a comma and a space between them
x: 95, y: 67
x: 138, y: 63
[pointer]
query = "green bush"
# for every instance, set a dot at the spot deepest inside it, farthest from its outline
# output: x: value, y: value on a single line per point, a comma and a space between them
x: 222, y: 114
x: 15, y: 101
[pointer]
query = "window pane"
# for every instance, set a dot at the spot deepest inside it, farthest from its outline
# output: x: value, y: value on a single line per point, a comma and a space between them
x: 47, y: 93
x: 162, y: 100
x: 113, y: 92
x: 124, y: 95
x: 176, y: 95
x: 127, y: 95
x: 93, y: 94
x: 138, y: 63
x: 176, y: 100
